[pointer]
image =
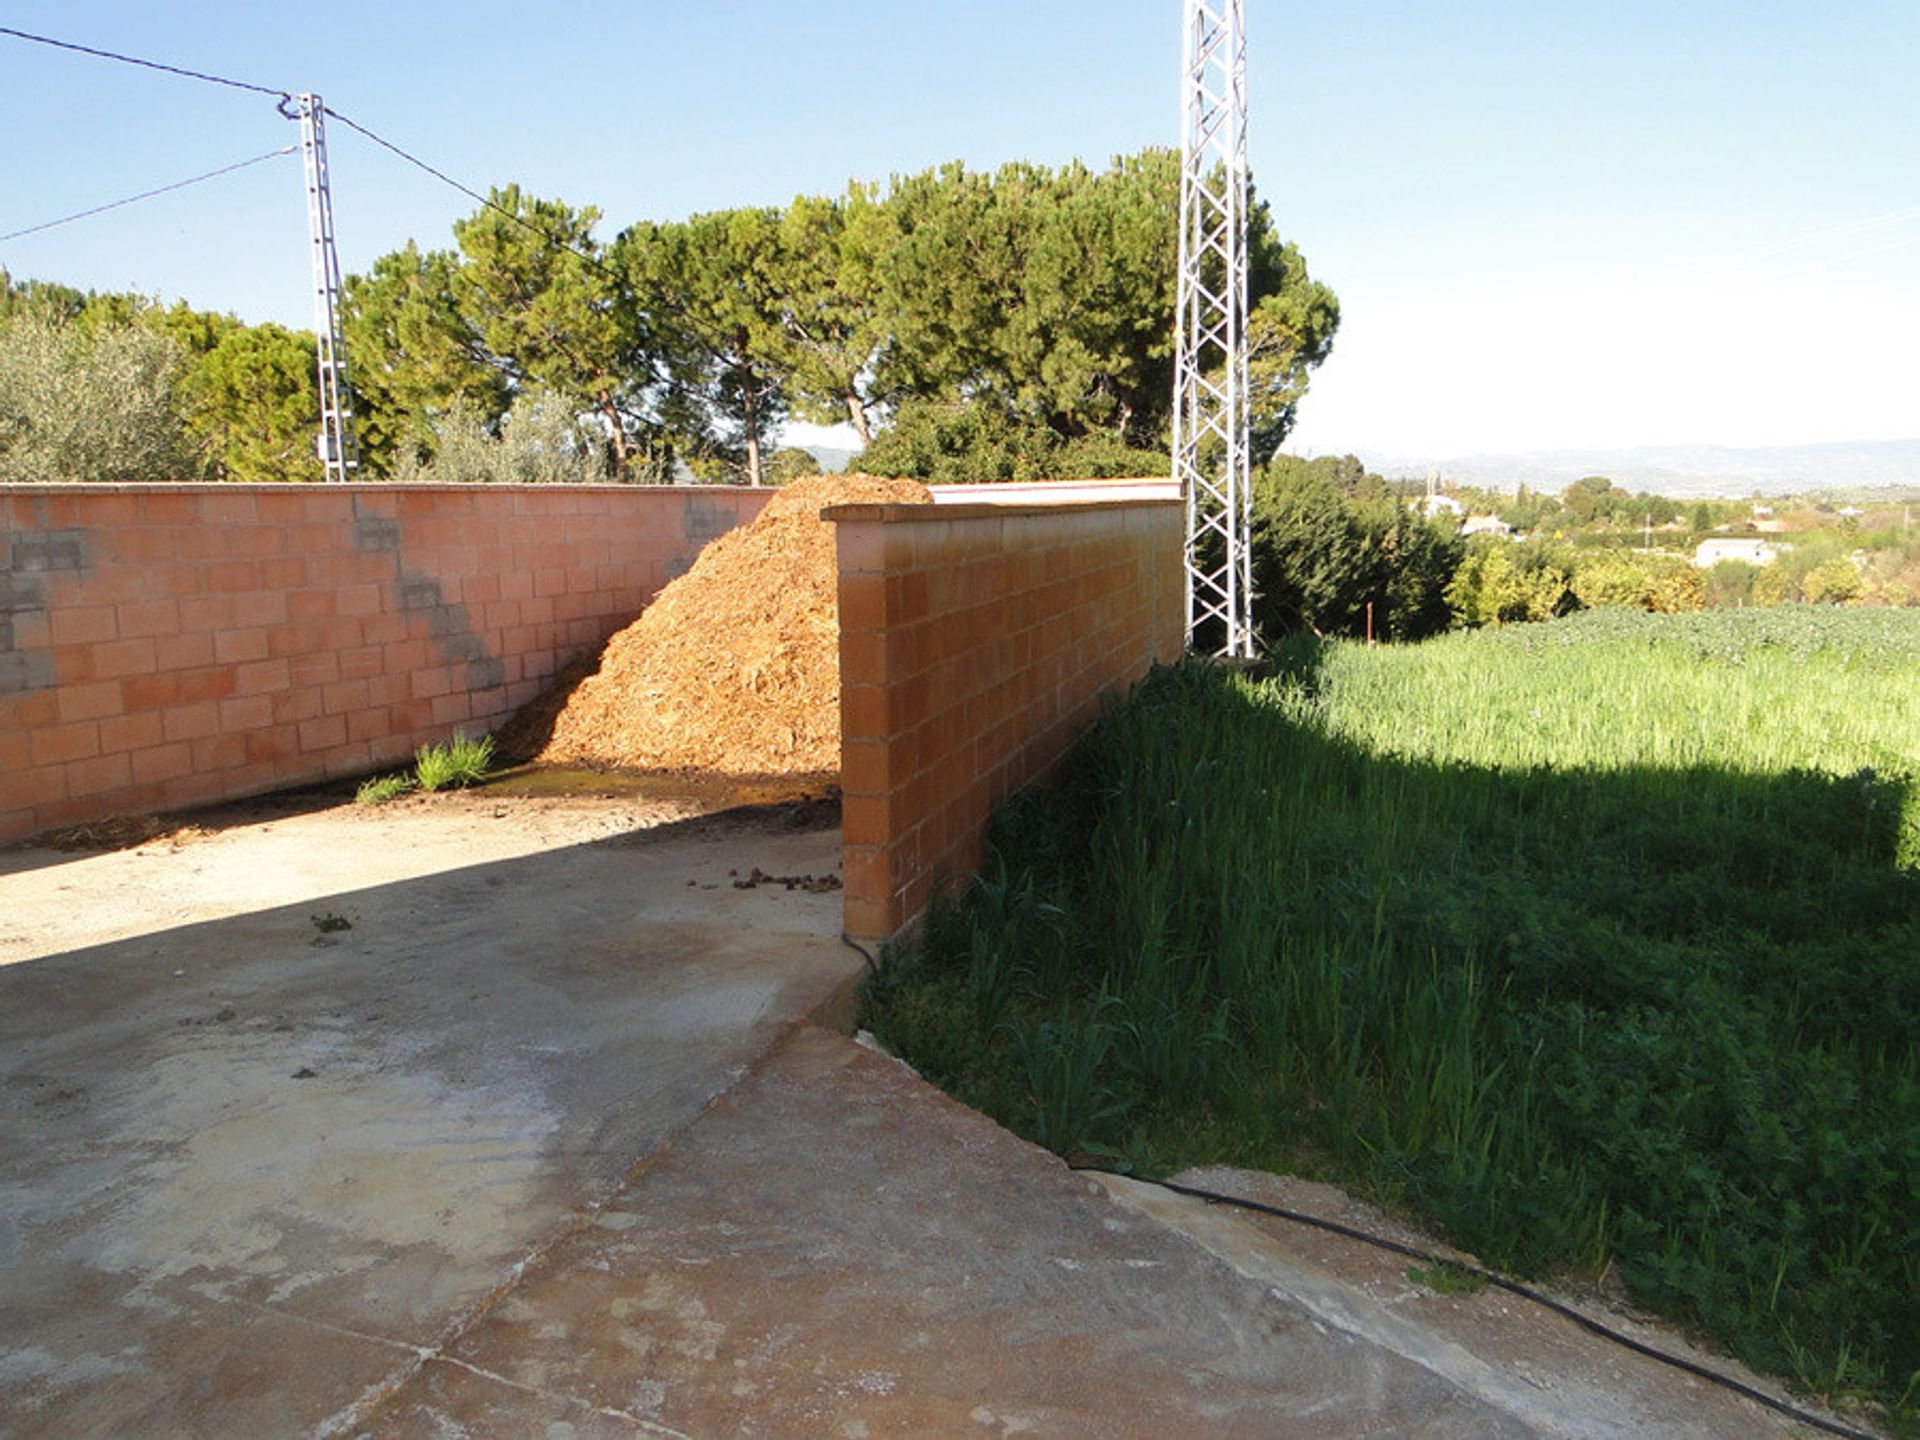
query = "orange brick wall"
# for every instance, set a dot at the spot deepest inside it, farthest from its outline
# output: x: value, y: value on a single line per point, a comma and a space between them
x: 169, y: 645
x: 975, y: 643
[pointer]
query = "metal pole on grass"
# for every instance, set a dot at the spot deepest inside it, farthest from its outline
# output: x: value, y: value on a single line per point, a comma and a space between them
x: 1210, y: 423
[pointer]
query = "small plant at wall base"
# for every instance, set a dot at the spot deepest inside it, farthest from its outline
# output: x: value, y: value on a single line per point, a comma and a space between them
x: 457, y: 763
x: 381, y: 789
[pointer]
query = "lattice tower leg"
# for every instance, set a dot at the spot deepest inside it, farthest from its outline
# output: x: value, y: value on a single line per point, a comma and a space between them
x: 336, y: 444
x: 1210, y: 422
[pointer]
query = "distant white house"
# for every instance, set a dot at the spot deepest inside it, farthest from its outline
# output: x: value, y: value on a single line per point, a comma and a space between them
x: 1440, y: 505
x: 1485, y: 525
x: 1753, y: 552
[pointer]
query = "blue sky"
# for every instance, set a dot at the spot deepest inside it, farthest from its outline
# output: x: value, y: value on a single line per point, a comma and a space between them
x: 1549, y: 223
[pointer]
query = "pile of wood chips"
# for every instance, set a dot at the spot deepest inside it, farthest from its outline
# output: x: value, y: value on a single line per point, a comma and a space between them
x: 734, y: 669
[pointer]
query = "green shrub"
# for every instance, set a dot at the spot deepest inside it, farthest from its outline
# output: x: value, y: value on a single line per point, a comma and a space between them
x: 1730, y: 584
x: 977, y: 442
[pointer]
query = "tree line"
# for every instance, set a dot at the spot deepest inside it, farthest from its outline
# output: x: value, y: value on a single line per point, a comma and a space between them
x: 1341, y: 551
x: 117, y: 387
x: 966, y: 325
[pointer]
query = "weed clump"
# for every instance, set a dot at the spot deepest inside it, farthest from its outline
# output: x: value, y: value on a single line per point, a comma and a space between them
x: 458, y: 763
x: 382, y: 788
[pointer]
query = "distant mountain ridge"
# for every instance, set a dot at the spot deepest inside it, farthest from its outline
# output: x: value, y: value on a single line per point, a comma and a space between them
x: 833, y: 458
x: 1683, y: 471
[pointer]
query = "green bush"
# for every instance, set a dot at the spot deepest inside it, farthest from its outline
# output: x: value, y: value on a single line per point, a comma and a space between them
x: 1331, y: 541
x: 1729, y: 584
x: 958, y: 442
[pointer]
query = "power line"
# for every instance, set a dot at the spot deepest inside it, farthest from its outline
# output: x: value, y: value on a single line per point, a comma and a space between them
x: 149, y: 194
x: 556, y: 241
x: 286, y: 100
x: 285, y: 97
x: 552, y: 239
x: 144, y: 64
x: 440, y: 175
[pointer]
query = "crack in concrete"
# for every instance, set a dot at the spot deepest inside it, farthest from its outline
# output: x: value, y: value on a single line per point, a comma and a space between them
x: 475, y: 1314
x: 327, y: 1325
x: 612, y: 1412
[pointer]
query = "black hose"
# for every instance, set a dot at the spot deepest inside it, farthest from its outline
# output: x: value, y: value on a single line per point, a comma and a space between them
x: 1512, y: 1287
x: 873, y: 966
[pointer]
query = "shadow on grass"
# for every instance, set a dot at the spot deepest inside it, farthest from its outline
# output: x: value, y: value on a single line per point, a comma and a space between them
x: 1654, y: 1018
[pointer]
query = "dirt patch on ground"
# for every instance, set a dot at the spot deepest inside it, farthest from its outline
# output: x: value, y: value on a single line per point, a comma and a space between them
x: 734, y: 669
x: 122, y: 832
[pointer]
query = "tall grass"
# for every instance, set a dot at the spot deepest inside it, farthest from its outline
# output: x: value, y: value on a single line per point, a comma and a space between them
x: 1594, y: 943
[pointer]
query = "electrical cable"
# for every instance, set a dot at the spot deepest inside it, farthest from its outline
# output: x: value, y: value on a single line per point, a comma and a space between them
x: 662, y: 376
x: 286, y: 99
x: 149, y: 194
x: 440, y: 175
x: 144, y: 64
x: 873, y: 966
x: 472, y: 194
x: 1512, y: 1287
x: 556, y: 241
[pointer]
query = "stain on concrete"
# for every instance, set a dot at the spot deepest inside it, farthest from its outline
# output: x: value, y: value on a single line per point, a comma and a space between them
x: 837, y: 1249
x: 700, y: 521
x: 24, y: 670
x: 18, y: 593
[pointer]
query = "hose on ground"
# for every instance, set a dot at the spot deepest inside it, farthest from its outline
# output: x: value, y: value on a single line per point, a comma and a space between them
x: 1512, y: 1287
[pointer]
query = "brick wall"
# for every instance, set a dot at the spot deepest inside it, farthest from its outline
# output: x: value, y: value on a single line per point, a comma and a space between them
x: 975, y: 643
x: 169, y: 645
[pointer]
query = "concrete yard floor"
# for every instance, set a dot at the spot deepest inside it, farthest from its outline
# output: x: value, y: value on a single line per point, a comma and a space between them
x: 283, y: 1106
x: 540, y: 1143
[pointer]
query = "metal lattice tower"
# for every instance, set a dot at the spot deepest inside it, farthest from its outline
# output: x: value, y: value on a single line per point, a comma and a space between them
x: 336, y: 445
x: 1210, y: 439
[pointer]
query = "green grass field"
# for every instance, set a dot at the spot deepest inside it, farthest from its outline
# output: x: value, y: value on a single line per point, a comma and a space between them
x: 1593, y: 943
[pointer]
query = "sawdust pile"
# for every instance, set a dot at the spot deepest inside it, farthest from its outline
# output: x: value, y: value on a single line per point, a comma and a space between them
x: 734, y: 669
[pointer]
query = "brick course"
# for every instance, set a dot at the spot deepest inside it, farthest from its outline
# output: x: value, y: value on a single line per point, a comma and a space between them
x: 976, y: 642
x: 177, y: 644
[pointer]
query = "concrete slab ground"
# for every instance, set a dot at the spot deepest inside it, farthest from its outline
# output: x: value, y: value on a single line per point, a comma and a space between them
x: 540, y: 1143
x: 837, y: 1249
x: 281, y: 1108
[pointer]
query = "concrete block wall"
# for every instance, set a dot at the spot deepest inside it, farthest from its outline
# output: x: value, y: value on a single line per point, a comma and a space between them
x: 975, y: 643
x: 163, y: 646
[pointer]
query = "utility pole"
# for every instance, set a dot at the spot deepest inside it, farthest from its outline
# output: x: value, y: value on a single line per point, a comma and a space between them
x: 336, y: 445
x: 1210, y: 423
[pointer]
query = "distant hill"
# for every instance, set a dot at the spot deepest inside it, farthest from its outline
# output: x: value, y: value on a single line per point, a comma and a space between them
x: 833, y: 458
x: 1684, y: 471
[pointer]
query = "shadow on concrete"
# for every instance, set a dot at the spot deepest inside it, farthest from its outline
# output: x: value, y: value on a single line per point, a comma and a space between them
x: 250, y: 1166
